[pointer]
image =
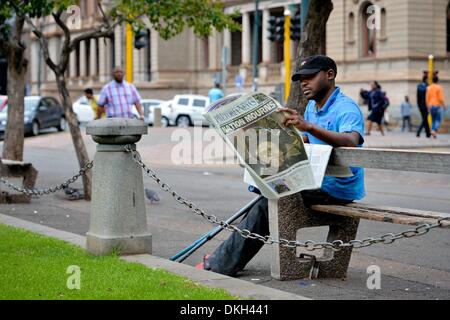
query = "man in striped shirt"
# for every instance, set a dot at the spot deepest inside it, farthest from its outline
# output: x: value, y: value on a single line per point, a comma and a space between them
x: 118, y: 97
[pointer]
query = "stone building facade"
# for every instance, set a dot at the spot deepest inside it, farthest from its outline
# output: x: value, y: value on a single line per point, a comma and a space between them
x: 394, y: 53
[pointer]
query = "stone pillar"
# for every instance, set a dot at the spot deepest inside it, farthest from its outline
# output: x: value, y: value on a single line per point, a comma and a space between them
x: 266, y: 44
x: 93, y: 68
x: 109, y: 60
x: 118, y: 46
x: 246, y: 39
x: 83, y: 61
x: 227, y: 42
x: 118, y: 214
x: 73, y: 65
x: 102, y: 52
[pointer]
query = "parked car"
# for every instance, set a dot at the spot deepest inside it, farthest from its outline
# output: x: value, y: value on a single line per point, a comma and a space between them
x: 151, y: 104
x: 3, y: 102
x: 187, y: 110
x: 83, y: 110
x: 40, y: 113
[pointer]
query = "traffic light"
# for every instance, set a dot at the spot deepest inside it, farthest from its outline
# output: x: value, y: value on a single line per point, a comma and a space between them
x: 140, y: 39
x: 276, y: 28
x: 295, y: 28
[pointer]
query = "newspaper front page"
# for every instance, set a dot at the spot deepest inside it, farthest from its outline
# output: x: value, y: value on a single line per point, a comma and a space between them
x: 275, y: 157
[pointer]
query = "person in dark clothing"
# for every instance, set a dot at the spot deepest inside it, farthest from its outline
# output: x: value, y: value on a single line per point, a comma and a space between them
x: 377, y: 101
x: 422, y: 104
x: 327, y: 104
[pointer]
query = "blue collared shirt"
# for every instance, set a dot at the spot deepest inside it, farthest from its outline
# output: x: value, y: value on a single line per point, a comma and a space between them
x: 339, y: 114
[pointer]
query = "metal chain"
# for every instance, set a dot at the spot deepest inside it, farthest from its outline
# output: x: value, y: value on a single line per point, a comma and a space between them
x: 308, y: 245
x: 38, y: 192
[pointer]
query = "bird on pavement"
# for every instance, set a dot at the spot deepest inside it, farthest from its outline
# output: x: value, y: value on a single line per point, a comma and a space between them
x: 151, y: 195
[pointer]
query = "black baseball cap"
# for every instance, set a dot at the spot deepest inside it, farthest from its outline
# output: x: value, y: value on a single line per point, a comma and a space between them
x: 313, y: 65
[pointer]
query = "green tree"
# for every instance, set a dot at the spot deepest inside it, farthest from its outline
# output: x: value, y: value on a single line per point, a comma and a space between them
x: 13, y: 48
x: 167, y: 17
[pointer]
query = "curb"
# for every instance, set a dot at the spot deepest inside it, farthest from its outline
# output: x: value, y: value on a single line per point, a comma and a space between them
x: 236, y: 287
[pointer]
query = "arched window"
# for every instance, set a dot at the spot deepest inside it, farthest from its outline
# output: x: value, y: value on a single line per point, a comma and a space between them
x: 369, y: 29
x: 448, y: 27
x: 351, y: 27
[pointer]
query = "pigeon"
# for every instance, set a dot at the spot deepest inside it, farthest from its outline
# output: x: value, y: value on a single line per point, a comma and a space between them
x: 151, y: 195
x: 68, y: 190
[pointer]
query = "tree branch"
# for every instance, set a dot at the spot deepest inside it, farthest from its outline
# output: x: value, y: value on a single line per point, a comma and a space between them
x: 99, y: 32
x: 44, y: 45
x: 65, y: 52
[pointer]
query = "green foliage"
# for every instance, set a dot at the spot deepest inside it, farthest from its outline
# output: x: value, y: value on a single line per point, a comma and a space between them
x: 35, y: 267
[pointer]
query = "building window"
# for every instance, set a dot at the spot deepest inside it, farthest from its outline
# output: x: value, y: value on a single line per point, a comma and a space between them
x: 206, y: 52
x: 351, y: 27
x: 383, y: 34
x: 236, y: 45
x: 448, y: 28
x: 369, y: 30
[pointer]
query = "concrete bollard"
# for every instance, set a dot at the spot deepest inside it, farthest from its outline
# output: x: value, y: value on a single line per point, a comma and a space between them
x: 118, y: 215
x: 157, y: 118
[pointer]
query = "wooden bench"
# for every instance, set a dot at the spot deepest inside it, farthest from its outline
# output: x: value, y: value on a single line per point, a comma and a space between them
x: 288, y: 214
x: 17, y: 169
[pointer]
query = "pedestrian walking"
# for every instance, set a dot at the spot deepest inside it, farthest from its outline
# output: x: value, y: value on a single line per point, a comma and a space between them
x: 422, y: 105
x: 215, y: 93
x: 118, y: 97
x: 405, y: 109
x: 435, y: 104
x: 377, y: 102
x: 89, y: 94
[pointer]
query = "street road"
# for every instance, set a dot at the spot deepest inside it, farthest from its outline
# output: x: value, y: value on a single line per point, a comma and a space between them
x: 411, y: 268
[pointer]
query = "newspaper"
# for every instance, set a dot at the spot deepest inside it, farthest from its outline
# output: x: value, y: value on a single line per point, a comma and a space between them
x: 276, y: 160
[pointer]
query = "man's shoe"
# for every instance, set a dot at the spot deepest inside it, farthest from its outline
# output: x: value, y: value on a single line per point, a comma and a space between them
x: 205, y: 264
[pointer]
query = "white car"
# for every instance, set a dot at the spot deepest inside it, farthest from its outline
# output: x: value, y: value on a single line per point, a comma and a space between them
x: 187, y: 110
x: 84, y: 112
x: 150, y: 105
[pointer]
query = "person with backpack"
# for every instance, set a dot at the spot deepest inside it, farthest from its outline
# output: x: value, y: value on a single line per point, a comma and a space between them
x: 377, y: 103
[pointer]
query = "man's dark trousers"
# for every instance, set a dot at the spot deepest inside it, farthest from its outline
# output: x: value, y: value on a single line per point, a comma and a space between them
x: 424, y: 124
x: 235, y: 252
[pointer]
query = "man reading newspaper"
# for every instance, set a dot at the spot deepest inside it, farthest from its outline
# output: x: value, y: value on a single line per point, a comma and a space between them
x: 331, y: 118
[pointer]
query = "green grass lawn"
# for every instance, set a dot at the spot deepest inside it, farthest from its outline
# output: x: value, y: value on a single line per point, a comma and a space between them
x: 35, y: 267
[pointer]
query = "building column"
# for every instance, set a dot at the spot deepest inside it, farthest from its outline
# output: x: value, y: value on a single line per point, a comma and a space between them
x: 93, y: 68
x: 73, y: 66
x: 136, y: 65
x: 266, y: 43
x: 118, y: 45
x: 83, y: 59
x: 227, y: 42
x: 246, y: 39
x: 102, y: 52
x: 108, y: 59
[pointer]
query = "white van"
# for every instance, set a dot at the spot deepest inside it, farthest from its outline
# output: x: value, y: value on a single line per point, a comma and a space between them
x: 187, y: 110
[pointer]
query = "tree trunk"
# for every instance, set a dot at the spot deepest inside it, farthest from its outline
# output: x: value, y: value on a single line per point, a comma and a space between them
x: 77, y: 139
x: 310, y: 44
x: 17, y: 69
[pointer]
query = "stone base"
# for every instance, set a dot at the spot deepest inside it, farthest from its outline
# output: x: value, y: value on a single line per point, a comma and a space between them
x: 287, y: 216
x: 99, y: 245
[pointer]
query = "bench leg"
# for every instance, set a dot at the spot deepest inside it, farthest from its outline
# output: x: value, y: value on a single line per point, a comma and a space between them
x: 286, y: 217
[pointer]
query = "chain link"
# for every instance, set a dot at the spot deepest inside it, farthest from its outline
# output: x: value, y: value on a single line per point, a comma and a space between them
x: 41, y: 192
x: 336, y: 245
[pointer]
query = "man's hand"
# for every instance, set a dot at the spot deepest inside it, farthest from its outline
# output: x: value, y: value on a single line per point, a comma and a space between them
x: 293, y: 118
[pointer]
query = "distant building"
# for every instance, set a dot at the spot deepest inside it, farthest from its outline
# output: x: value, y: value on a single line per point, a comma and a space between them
x: 394, y: 53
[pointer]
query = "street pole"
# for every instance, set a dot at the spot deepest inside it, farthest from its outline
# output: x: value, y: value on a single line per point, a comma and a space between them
x: 129, y: 53
x: 430, y: 80
x: 287, y: 54
x: 430, y: 69
x: 255, y: 55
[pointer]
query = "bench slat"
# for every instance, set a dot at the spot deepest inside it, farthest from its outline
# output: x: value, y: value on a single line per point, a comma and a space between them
x: 403, y: 211
x: 382, y: 216
x: 390, y: 159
